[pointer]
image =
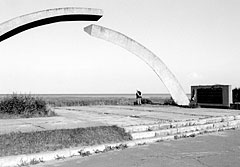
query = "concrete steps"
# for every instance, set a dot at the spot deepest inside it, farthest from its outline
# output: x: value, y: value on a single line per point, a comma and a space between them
x: 174, y: 130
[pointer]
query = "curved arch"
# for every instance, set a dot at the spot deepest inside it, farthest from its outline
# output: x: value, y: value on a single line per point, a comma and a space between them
x: 146, y: 55
x: 24, y: 22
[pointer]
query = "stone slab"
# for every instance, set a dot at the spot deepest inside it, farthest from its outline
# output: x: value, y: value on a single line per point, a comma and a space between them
x: 122, y: 116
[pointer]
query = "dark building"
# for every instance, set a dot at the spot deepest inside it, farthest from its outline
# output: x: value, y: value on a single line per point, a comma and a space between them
x: 212, y: 95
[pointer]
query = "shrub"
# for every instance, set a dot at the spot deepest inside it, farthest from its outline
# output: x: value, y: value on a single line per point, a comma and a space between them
x: 146, y: 101
x: 236, y: 95
x: 169, y: 101
x: 25, y: 105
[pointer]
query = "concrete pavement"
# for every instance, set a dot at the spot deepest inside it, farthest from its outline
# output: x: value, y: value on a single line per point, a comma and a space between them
x: 122, y: 116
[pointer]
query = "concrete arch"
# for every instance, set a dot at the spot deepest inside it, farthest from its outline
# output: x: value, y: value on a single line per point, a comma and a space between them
x: 146, y: 55
x: 25, y: 22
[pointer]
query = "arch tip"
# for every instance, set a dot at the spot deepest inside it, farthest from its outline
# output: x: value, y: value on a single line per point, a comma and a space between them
x: 88, y: 29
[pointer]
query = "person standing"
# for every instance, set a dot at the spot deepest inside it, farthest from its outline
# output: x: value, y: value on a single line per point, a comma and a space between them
x: 139, y: 97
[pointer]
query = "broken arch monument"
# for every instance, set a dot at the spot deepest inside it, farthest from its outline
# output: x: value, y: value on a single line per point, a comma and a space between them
x: 28, y: 21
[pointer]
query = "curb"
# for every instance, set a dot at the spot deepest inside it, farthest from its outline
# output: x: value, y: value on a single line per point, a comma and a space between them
x: 27, y: 159
x: 31, y: 159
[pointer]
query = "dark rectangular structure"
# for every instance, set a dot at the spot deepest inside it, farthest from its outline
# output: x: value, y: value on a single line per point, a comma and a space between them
x: 212, y: 95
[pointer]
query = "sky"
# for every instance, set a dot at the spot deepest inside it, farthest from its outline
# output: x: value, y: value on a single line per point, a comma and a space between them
x: 197, y: 39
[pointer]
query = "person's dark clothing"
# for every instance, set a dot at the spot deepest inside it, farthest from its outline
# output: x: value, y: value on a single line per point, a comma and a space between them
x: 138, y: 94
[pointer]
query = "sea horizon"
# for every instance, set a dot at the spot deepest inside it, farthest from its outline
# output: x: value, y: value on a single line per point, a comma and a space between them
x: 94, y: 94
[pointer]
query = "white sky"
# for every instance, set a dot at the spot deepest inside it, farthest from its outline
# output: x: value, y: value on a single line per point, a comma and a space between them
x: 197, y: 39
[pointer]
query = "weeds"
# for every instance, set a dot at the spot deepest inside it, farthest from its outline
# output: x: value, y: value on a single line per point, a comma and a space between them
x: 23, y: 163
x: 84, y: 154
x: 34, y: 161
x: 59, y: 157
x: 31, y: 162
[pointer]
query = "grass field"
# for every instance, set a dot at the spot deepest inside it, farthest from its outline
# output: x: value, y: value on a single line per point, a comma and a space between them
x: 66, y: 100
x: 79, y: 100
x: 35, y: 142
x: 58, y: 101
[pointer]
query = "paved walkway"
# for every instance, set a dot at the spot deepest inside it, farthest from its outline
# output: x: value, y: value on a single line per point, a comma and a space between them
x: 123, y: 116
